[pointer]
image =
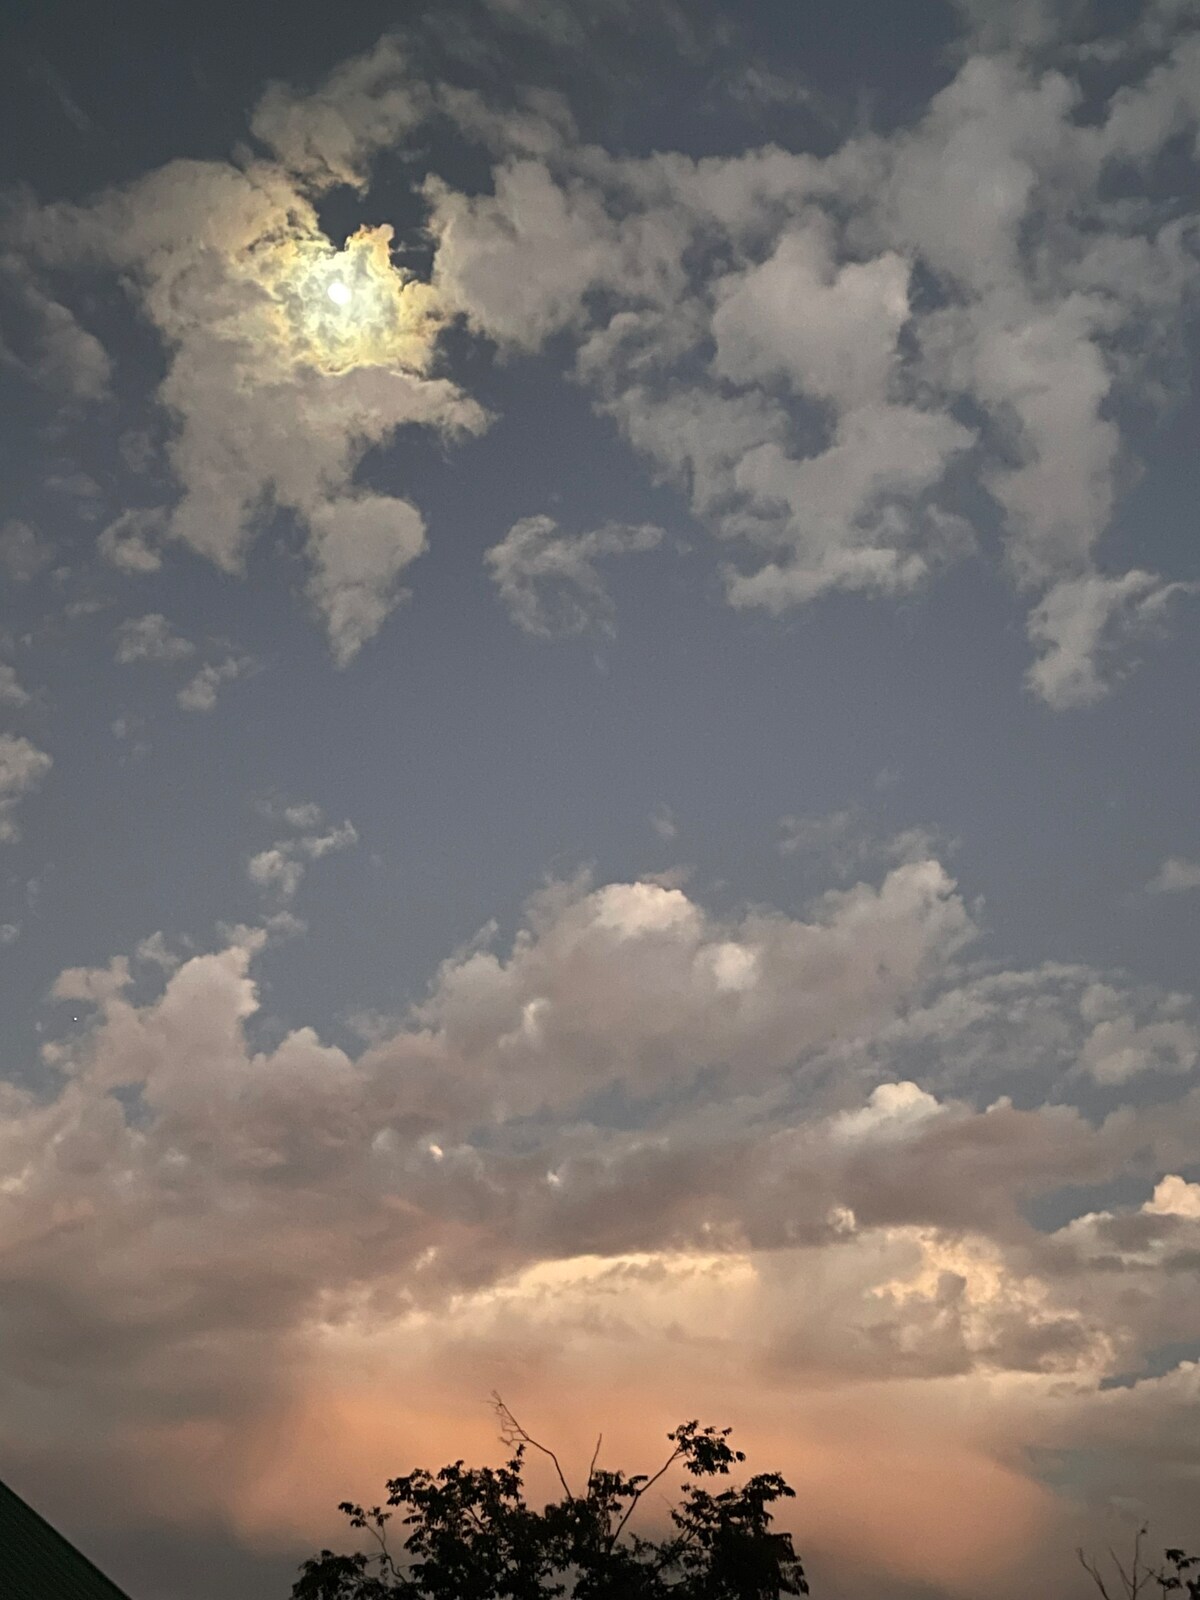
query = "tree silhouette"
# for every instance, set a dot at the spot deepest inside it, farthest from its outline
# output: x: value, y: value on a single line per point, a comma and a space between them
x: 474, y: 1538
x: 1136, y: 1578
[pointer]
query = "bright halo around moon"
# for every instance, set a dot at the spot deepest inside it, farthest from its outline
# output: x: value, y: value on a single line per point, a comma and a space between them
x: 336, y: 310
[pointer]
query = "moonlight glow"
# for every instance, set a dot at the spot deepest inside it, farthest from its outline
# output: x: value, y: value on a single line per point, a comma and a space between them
x: 338, y: 310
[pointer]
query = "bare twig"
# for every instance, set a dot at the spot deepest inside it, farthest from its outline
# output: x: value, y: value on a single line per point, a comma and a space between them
x: 1093, y: 1572
x: 1134, y: 1580
x: 511, y: 1426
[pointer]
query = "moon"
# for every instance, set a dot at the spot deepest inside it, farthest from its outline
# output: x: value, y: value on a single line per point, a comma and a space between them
x: 339, y: 293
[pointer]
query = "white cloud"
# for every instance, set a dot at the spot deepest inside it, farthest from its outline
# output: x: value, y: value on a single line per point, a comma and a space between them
x: 1176, y: 875
x: 828, y: 330
x: 11, y: 691
x: 1174, y: 1197
x: 892, y: 1108
x: 328, y: 137
x: 360, y: 544
x: 131, y: 541
x: 276, y: 870
x: 22, y: 768
x: 548, y: 580
x: 276, y: 390
x: 149, y: 638
x: 1081, y: 623
x: 281, y: 868
x: 748, y: 323
x: 154, y: 949
x: 200, y: 692
x: 518, y: 264
x: 1119, y: 1049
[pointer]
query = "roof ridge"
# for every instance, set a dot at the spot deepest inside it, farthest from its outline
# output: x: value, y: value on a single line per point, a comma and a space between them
x: 91, y: 1583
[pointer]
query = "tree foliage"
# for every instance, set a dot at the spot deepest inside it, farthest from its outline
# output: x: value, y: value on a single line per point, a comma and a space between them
x: 471, y: 1535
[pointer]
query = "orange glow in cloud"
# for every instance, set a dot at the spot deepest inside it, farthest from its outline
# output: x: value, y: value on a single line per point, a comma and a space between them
x: 336, y: 310
x: 903, y: 1479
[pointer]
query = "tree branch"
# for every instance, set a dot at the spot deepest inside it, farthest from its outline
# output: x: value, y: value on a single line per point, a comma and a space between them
x: 638, y: 1493
x: 1093, y: 1572
x: 509, y: 1423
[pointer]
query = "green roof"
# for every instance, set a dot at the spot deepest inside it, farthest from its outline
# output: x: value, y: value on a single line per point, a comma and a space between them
x: 37, y: 1563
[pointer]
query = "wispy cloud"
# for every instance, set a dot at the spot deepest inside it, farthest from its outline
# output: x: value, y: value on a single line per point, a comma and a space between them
x: 549, y: 580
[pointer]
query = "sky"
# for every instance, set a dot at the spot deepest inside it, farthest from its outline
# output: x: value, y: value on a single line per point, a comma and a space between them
x: 598, y: 767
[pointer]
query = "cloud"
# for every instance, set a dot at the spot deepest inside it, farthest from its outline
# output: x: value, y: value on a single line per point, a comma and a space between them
x: 23, y: 553
x: 1119, y: 1048
x: 42, y: 72
x: 1176, y: 875
x: 826, y: 330
x: 749, y: 322
x: 843, y: 842
x: 52, y: 350
x: 1025, y: 24
x: 190, y: 1219
x: 149, y: 638
x: 280, y: 869
x: 829, y: 355
x: 664, y: 822
x: 11, y: 691
x: 328, y: 137
x: 287, y: 357
x: 1080, y: 623
x: 360, y: 545
x: 22, y: 768
x: 200, y: 692
x: 131, y: 541
x: 548, y: 580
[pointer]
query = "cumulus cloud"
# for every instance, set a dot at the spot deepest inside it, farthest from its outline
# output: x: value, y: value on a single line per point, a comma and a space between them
x: 1082, y: 622
x: 150, y: 638
x: 1119, y: 1047
x: 819, y: 351
x: 360, y: 545
x: 280, y: 869
x: 814, y: 411
x: 189, y: 1218
x: 200, y: 693
x: 22, y: 768
x: 131, y: 541
x: 1176, y: 875
x: 548, y: 580
x: 288, y: 358
x: 11, y: 691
